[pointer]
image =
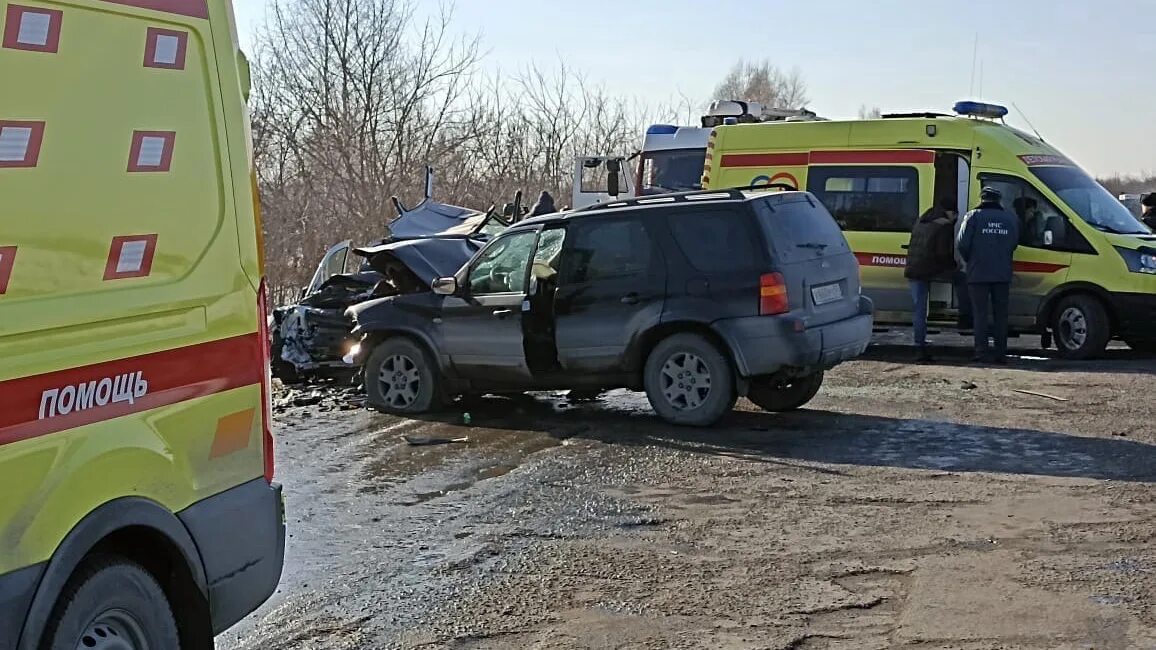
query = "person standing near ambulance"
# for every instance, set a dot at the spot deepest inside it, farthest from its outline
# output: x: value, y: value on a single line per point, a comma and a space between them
x: 1148, y: 205
x: 930, y: 254
x: 987, y: 244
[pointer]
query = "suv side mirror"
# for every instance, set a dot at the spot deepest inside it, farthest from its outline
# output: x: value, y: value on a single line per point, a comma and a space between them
x: 613, y: 168
x: 445, y: 286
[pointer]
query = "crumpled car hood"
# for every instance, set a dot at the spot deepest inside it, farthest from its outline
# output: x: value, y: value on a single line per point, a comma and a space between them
x: 432, y: 218
x: 429, y: 258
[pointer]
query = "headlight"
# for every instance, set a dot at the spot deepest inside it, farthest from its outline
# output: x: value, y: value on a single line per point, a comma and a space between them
x: 1139, y: 261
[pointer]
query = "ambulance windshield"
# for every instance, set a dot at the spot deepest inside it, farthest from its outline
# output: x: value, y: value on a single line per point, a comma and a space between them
x: 672, y: 170
x: 1090, y: 200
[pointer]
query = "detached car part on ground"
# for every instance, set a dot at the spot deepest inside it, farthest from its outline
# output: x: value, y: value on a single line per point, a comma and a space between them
x: 695, y: 298
x: 311, y: 337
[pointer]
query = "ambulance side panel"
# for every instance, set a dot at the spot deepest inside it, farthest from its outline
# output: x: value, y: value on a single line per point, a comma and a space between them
x: 129, y: 265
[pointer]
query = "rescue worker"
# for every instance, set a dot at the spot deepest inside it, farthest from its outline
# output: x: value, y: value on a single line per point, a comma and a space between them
x: 930, y: 254
x: 1148, y: 205
x: 987, y: 244
x: 545, y: 205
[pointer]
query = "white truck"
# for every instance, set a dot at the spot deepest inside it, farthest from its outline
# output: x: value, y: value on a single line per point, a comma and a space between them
x: 672, y: 157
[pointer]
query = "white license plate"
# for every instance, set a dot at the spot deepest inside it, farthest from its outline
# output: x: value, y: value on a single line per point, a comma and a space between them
x: 827, y: 293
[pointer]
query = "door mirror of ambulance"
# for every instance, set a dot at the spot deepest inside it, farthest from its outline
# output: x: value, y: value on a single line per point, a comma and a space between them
x: 445, y: 286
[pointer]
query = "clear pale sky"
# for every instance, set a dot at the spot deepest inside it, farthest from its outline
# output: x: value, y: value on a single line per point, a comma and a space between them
x: 1083, y: 72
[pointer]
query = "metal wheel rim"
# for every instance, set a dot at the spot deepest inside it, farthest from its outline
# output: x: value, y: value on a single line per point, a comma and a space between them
x: 400, y: 381
x: 686, y: 381
x: 1073, y: 328
x: 113, y: 630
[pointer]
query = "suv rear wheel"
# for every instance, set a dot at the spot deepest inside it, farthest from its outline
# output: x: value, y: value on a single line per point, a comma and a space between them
x: 779, y: 395
x: 400, y: 378
x: 1080, y: 327
x: 688, y: 381
x: 112, y: 604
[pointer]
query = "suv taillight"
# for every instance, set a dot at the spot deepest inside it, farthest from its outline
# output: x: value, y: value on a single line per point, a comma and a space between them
x: 773, y: 295
x: 266, y: 380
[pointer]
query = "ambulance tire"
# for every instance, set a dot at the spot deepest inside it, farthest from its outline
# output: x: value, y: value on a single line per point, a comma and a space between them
x: 780, y: 397
x: 1080, y: 327
x: 402, y: 379
x: 112, y: 602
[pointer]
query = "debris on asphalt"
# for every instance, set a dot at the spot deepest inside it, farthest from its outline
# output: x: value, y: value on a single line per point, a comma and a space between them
x: 968, y: 385
x: 422, y: 441
x: 1035, y: 394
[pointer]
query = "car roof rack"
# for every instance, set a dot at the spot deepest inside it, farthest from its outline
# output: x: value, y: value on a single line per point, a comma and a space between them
x: 726, y: 194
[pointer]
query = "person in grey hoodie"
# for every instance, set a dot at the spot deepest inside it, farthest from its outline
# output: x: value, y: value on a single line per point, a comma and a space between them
x: 987, y: 244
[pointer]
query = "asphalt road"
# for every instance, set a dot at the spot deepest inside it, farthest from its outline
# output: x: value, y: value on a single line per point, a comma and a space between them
x: 910, y: 506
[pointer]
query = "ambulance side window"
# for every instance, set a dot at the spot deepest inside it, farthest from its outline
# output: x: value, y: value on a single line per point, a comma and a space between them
x: 868, y: 199
x: 1037, y: 215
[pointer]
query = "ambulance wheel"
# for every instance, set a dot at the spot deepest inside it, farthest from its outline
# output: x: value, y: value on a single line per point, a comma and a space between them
x: 1080, y: 327
x: 112, y: 604
x: 777, y: 396
x: 401, y: 378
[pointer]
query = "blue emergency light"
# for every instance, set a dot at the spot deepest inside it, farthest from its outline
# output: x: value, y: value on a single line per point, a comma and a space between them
x: 661, y: 129
x: 980, y: 109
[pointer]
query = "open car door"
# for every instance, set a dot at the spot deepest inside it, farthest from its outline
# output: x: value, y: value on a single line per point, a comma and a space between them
x: 598, y: 179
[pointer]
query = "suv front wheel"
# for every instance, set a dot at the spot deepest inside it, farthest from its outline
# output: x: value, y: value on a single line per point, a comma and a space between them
x: 779, y: 395
x: 688, y: 381
x: 400, y: 378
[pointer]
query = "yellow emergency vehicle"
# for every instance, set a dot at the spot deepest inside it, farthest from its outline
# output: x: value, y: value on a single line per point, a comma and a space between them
x: 1085, y: 269
x: 137, y: 507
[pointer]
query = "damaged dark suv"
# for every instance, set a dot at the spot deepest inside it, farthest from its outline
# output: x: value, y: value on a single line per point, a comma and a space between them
x: 695, y: 298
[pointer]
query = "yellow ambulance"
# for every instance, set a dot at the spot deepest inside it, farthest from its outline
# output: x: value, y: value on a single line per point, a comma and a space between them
x: 137, y: 506
x: 1085, y: 269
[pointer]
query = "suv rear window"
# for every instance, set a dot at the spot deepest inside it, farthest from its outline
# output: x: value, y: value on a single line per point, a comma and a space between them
x: 799, y: 229
x: 715, y: 240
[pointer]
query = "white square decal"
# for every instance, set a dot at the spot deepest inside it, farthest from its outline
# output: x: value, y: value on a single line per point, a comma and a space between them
x: 152, y: 151
x: 34, y: 28
x: 131, y: 257
x: 167, y: 48
x: 14, y: 143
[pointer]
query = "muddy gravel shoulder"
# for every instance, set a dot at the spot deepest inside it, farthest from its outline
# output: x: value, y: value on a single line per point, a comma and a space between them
x: 908, y: 506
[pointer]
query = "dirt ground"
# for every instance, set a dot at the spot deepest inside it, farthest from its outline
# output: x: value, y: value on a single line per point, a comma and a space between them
x: 910, y: 506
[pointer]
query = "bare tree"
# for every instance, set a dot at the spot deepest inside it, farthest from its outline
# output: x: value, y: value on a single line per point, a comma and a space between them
x: 764, y: 82
x: 872, y: 113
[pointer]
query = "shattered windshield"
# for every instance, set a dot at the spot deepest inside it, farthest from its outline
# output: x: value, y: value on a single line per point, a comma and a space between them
x: 1090, y: 200
x: 674, y: 170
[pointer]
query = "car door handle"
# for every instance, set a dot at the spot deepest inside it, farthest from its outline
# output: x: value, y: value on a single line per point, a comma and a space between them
x: 630, y: 299
x: 502, y: 313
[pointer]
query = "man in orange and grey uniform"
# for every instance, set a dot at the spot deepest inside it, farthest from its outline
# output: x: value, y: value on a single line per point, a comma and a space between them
x: 988, y: 243
x: 1148, y: 205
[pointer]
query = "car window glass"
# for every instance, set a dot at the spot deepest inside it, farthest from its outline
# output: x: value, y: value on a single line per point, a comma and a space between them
x: 868, y: 199
x: 602, y: 250
x: 501, y: 267
x: 549, y: 253
x: 1036, y: 214
x: 715, y: 240
x: 799, y: 229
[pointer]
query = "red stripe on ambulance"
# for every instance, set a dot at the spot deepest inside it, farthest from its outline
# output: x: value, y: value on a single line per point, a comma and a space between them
x: 884, y: 157
x: 43, y: 404
x: 900, y: 261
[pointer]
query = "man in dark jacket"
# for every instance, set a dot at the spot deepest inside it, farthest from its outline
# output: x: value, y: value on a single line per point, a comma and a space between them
x: 1148, y: 205
x: 987, y: 243
x: 545, y: 205
x: 930, y: 254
